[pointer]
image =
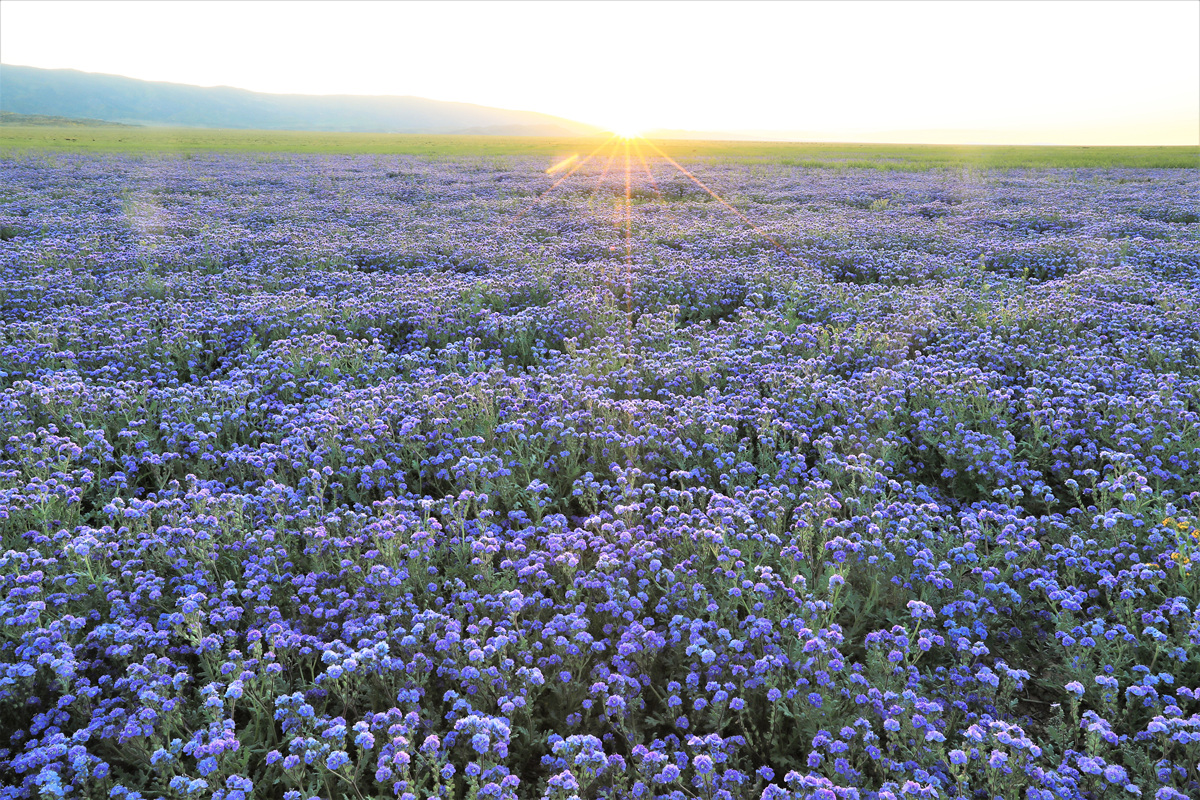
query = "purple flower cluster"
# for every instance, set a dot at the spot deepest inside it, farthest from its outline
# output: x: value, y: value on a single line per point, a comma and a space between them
x: 325, y: 475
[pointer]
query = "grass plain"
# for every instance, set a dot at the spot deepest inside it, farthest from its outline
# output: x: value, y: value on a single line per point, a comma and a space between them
x: 886, y: 157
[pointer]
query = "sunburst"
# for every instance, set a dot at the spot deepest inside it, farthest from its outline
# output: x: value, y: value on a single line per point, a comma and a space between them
x: 624, y: 146
x: 624, y: 149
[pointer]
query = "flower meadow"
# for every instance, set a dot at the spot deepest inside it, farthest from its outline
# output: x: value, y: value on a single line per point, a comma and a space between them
x: 377, y: 476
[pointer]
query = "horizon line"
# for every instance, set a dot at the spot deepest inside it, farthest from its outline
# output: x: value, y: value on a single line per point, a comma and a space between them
x: 664, y: 133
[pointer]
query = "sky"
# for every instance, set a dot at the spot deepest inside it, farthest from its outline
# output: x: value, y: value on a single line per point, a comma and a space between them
x: 1075, y: 72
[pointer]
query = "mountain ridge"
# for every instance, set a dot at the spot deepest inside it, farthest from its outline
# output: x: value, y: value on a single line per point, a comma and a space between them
x: 116, y: 98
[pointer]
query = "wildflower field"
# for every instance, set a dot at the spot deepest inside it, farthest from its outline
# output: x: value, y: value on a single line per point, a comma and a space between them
x: 371, y: 476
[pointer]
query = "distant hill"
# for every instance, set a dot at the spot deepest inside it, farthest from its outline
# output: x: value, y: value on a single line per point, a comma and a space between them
x: 74, y: 94
x: 37, y: 120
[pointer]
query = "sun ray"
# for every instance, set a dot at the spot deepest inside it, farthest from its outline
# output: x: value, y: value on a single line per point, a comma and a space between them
x: 596, y: 197
x: 562, y: 164
x: 578, y: 166
x: 628, y: 209
x: 616, y: 220
x: 721, y: 200
x: 646, y: 167
x: 631, y: 147
x: 628, y: 249
x: 553, y: 186
x: 604, y: 174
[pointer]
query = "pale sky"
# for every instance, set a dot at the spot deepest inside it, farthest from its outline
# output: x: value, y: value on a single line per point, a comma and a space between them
x: 978, y: 72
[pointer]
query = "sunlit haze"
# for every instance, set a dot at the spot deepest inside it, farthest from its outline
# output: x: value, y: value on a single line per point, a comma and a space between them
x: 981, y: 72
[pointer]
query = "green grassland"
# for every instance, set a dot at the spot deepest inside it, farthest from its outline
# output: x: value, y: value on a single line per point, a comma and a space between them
x: 905, y: 157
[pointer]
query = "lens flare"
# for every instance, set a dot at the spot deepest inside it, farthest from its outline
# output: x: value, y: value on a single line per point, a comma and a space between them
x: 624, y: 144
x: 563, y: 164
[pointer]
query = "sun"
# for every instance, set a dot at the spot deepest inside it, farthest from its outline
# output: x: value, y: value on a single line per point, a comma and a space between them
x: 625, y: 127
